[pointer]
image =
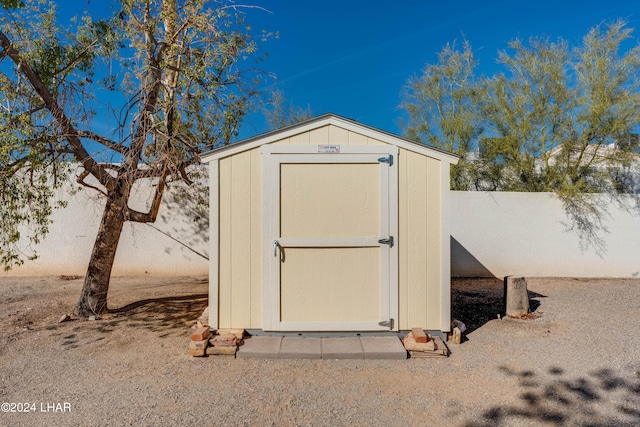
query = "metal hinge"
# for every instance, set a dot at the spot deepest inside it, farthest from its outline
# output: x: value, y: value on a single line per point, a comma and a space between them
x: 387, y: 159
x: 387, y: 323
x: 388, y: 241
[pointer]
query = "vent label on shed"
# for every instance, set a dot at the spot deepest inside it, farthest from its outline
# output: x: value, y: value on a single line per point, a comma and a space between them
x: 328, y: 148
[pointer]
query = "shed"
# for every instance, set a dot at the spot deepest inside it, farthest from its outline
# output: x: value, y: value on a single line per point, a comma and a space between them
x: 329, y: 226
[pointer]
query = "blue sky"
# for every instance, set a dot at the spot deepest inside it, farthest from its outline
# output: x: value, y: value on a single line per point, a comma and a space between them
x: 353, y: 58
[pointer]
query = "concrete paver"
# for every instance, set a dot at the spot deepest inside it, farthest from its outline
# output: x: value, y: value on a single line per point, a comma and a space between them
x: 383, y: 348
x: 277, y: 347
x: 300, y: 348
x: 342, y: 348
x: 259, y: 347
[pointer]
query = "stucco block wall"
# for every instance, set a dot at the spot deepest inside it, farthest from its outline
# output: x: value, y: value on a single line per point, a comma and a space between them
x: 526, y: 234
x: 492, y: 234
x: 143, y: 250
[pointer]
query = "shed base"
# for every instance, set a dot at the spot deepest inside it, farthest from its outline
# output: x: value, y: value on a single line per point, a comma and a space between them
x: 329, y: 334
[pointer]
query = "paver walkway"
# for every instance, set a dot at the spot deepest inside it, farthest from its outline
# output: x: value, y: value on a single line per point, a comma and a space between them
x: 268, y: 347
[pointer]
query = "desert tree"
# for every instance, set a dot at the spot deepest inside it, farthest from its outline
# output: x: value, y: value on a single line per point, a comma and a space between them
x: 550, y: 120
x: 130, y: 97
x: 280, y: 113
x: 442, y: 106
x: 555, y: 117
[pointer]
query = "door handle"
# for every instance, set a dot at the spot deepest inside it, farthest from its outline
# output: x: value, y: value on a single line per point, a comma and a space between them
x: 388, y: 241
x: 276, y: 245
x: 387, y: 323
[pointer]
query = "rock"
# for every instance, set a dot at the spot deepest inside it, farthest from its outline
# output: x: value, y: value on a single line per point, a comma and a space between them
x: 198, y: 348
x: 225, y: 341
x: 457, y: 336
x: 220, y: 350
x: 458, y: 324
x: 238, y: 333
x: 204, y: 318
x: 65, y: 318
x: 198, y: 345
x: 93, y: 317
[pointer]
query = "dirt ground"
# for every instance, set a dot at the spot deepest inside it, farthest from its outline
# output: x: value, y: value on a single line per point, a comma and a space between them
x: 577, y: 364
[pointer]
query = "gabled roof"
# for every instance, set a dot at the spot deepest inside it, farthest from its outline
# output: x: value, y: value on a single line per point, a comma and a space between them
x: 325, y: 120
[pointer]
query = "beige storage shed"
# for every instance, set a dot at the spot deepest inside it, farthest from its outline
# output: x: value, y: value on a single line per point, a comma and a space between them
x: 329, y: 226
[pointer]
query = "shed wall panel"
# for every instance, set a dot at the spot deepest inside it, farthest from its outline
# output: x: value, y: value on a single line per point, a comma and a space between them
x: 256, y: 236
x: 329, y: 135
x: 357, y: 138
x: 241, y: 239
x: 301, y: 138
x: 403, y: 244
x: 319, y: 136
x: 240, y: 247
x: 419, y: 241
x: 224, y: 262
x: 338, y: 136
x: 372, y: 141
x: 416, y: 254
x: 433, y: 244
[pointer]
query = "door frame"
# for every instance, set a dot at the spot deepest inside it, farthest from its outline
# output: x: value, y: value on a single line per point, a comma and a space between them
x: 275, y: 154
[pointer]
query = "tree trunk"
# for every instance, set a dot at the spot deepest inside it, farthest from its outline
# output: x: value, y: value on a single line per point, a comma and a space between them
x: 93, y: 299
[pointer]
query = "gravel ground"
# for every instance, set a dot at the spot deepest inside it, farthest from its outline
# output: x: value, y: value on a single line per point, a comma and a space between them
x: 577, y: 364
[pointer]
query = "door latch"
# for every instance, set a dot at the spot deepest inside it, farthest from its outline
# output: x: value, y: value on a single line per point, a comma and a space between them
x: 387, y: 159
x: 388, y: 241
x: 276, y: 245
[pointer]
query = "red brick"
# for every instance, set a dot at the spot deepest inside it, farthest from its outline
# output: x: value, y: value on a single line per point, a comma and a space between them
x: 200, y: 334
x: 419, y: 335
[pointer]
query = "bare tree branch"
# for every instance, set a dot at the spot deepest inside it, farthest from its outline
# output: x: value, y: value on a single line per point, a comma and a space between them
x: 58, y: 114
x: 115, y: 146
x: 81, y: 180
x: 152, y: 215
x: 75, y: 60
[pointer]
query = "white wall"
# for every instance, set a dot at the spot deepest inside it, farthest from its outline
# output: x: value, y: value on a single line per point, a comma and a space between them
x: 142, y: 249
x: 492, y: 234
x: 500, y: 234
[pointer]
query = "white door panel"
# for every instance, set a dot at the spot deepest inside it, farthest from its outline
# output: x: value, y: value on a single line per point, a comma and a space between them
x: 325, y: 215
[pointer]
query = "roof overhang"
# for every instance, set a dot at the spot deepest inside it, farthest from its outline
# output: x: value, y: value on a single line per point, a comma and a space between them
x: 326, y: 120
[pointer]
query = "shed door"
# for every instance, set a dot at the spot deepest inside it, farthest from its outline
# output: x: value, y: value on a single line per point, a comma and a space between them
x: 330, y: 239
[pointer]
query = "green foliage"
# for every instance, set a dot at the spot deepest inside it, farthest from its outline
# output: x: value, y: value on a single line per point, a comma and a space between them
x: 135, y: 95
x: 549, y: 121
x: 11, y: 4
x: 442, y: 105
x: 28, y: 182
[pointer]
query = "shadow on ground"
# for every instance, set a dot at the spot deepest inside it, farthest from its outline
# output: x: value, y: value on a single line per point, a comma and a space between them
x: 476, y: 301
x: 162, y: 315
x: 603, y: 398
